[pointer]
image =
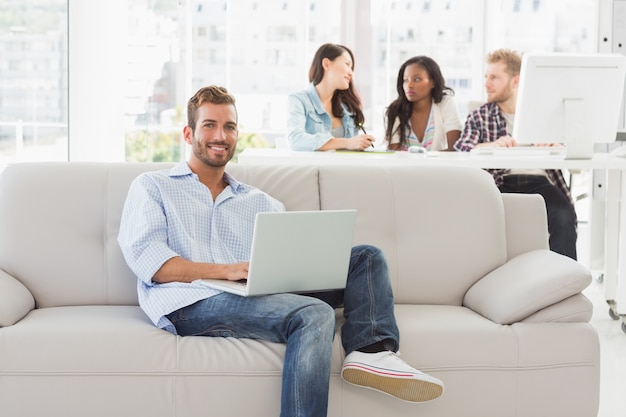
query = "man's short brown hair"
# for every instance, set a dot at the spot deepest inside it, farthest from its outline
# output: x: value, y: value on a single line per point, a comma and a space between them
x: 210, y: 94
x: 511, y: 59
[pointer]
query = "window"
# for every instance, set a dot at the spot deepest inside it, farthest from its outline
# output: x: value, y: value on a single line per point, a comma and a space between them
x: 133, y: 64
x: 33, y: 70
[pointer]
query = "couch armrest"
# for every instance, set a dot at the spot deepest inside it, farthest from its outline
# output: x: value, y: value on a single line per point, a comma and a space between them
x: 521, y: 235
x: 526, y: 284
x: 15, y: 300
x: 575, y: 309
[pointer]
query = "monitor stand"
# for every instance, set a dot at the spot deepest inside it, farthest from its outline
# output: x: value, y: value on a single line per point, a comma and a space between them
x: 620, y: 151
x: 578, y: 144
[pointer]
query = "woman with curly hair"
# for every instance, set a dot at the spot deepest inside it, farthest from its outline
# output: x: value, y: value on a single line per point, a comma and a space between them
x: 424, y: 114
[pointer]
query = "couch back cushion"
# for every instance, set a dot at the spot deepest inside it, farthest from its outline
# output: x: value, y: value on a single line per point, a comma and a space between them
x: 441, y: 228
x: 296, y: 186
x: 60, y: 221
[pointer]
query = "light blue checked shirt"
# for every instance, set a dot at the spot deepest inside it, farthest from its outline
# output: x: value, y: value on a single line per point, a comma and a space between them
x: 171, y: 213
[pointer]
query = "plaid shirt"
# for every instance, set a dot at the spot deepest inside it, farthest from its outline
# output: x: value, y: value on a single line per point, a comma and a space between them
x: 486, y: 124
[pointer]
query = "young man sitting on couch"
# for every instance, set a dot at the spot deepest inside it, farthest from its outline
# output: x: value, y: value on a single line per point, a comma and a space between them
x: 195, y: 221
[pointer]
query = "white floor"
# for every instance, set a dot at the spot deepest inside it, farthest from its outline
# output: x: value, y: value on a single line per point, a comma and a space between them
x: 613, y: 355
x: 612, y: 338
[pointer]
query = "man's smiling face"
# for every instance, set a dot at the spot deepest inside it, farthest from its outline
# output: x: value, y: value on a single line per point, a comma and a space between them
x: 214, y: 138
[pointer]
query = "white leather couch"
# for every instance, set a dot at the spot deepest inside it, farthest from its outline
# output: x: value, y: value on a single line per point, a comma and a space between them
x: 481, y: 303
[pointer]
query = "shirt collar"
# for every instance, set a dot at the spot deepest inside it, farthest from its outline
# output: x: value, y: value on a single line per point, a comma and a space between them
x: 494, y: 109
x: 499, y: 117
x: 182, y: 169
x: 234, y: 184
x: 315, y: 99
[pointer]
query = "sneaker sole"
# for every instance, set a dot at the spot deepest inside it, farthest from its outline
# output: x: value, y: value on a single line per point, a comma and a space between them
x: 413, y: 390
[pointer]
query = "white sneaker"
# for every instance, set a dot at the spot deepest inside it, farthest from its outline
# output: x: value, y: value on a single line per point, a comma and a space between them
x: 386, y: 372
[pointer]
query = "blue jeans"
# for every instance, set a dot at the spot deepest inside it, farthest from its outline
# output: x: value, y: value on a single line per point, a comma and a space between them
x: 562, y: 221
x: 306, y: 323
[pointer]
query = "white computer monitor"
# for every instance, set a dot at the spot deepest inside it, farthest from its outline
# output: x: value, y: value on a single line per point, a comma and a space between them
x: 574, y: 99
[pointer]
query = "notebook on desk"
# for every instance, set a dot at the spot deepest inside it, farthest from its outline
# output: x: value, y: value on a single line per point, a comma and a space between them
x: 296, y: 251
x: 365, y: 151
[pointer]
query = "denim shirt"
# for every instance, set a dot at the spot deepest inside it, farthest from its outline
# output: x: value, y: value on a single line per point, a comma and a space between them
x: 309, y: 125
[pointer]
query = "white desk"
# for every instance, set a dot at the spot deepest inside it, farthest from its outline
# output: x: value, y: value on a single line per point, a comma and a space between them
x: 285, y: 156
x: 614, y: 261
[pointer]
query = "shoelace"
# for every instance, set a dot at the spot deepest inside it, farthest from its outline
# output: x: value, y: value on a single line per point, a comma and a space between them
x: 396, y: 357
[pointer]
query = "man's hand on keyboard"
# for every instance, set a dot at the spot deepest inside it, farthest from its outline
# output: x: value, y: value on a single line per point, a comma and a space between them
x: 549, y: 145
x: 502, y: 142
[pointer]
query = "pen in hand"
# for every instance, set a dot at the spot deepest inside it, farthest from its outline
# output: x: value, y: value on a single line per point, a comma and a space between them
x: 363, y: 129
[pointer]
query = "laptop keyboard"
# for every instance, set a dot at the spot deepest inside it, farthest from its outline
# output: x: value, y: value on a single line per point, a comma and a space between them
x: 520, y: 151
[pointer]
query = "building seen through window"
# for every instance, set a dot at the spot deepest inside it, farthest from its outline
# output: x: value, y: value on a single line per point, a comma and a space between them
x: 260, y: 51
x: 33, y: 80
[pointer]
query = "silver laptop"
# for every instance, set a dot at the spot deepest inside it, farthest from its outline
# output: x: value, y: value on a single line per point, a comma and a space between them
x: 296, y: 251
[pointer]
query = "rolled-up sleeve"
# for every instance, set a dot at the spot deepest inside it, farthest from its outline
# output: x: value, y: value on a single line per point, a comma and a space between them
x: 143, y: 230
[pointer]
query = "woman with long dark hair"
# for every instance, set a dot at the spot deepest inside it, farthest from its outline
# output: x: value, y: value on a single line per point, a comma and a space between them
x: 424, y: 114
x: 328, y: 113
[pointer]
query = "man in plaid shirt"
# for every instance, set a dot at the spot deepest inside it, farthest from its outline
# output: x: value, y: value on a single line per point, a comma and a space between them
x: 491, y: 125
